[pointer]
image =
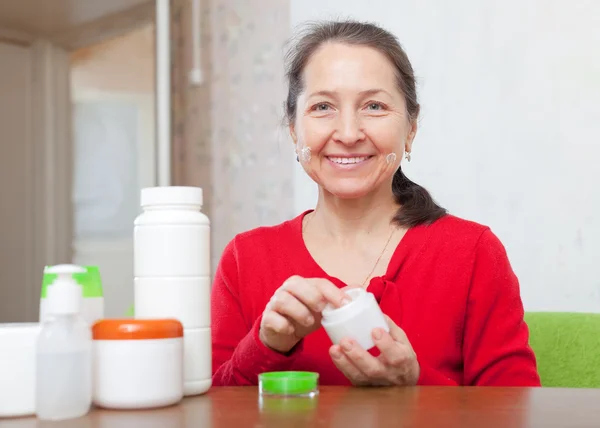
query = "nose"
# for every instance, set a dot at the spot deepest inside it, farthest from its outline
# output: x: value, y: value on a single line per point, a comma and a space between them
x: 348, y: 129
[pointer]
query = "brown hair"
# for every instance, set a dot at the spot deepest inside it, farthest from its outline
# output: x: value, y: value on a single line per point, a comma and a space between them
x: 417, y: 205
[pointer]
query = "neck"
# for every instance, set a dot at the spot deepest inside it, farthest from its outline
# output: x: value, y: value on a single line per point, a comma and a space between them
x: 349, y: 219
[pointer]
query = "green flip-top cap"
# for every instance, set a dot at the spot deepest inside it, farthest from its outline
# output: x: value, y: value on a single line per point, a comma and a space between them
x: 90, y: 281
x: 288, y: 383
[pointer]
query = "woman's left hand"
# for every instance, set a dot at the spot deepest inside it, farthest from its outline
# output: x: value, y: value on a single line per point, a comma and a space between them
x: 396, y: 365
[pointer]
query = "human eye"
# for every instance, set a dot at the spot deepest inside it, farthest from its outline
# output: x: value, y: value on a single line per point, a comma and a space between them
x: 375, y: 106
x: 321, y: 107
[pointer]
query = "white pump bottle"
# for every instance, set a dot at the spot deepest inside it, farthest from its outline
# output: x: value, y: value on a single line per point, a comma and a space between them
x: 64, y: 357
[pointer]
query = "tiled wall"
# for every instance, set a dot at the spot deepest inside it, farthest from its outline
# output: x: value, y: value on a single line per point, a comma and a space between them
x: 228, y: 136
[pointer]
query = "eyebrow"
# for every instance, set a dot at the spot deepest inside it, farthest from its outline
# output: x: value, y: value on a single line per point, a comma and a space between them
x: 366, y: 92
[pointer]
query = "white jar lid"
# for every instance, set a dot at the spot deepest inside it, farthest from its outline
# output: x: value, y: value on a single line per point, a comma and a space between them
x: 171, y: 195
x: 355, y: 306
x: 18, y: 335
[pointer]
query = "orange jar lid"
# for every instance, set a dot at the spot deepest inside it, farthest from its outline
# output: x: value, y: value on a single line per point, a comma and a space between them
x: 137, y: 329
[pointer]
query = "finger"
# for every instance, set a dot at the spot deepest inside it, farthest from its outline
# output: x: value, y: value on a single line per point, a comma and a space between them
x: 391, y: 352
x: 276, y: 323
x: 366, y: 363
x: 396, y: 332
x: 330, y: 292
x: 306, y: 292
x: 286, y: 304
x: 349, y: 370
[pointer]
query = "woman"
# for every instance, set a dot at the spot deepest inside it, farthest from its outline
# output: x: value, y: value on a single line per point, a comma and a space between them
x: 446, y: 285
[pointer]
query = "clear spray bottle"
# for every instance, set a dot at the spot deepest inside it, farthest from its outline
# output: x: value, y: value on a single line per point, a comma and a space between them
x: 64, y: 351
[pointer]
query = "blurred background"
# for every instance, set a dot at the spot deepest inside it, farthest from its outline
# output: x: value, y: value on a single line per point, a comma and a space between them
x: 99, y: 99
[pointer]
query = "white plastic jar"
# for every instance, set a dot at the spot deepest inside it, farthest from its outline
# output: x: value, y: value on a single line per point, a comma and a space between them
x: 17, y: 369
x: 356, y: 320
x: 137, y: 363
x: 172, y: 273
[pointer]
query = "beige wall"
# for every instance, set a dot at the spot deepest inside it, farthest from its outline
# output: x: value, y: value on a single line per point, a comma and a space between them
x: 15, y: 87
x: 227, y: 133
x: 122, y: 64
x: 34, y: 173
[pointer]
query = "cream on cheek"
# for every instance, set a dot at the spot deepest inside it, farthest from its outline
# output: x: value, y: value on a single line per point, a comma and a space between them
x: 305, y: 154
x: 302, y: 150
x: 311, y: 138
x: 392, y: 149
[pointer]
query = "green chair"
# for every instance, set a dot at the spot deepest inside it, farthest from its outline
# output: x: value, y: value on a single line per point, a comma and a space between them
x: 567, y: 348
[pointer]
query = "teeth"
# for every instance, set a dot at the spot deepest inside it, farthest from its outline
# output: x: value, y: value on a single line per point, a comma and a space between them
x: 348, y: 160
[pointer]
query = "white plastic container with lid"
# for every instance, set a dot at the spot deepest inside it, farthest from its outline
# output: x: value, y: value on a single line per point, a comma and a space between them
x: 64, y: 354
x: 138, y: 363
x: 17, y: 369
x: 355, y: 320
x: 172, y: 273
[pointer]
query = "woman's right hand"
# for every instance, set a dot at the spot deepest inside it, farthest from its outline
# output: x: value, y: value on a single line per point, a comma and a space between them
x: 294, y: 311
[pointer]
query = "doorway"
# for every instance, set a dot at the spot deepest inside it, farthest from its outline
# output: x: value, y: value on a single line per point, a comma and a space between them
x: 112, y: 89
x: 77, y: 99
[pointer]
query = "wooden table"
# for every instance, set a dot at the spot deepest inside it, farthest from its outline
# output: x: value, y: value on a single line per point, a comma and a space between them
x: 362, y: 408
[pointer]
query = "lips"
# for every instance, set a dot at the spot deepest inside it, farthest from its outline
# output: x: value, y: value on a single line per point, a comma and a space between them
x: 348, y: 160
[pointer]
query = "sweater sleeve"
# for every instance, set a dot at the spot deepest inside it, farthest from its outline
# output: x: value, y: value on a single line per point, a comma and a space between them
x: 238, y: 355
x: 496, y: 349
x: 429, y: 376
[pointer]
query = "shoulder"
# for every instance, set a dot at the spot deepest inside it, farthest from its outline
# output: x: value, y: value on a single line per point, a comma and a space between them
x: 256, y: 242
x: 260, y: 259
x: 457, y: 233
x: 269, y: 235
x: 454, y: 228
x: 468, y: 251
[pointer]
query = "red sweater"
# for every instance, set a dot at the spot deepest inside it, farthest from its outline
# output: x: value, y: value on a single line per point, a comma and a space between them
x: 449, y: 286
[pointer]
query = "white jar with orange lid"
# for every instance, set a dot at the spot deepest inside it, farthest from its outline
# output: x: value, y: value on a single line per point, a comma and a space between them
x: 137, y: 363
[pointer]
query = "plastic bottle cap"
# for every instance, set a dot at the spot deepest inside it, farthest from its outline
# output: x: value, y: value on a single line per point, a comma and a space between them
x: 137, y: 329
x: 90, y: 281
x: 288, y: 383
x: 171, y: 195
x: 64, y: 294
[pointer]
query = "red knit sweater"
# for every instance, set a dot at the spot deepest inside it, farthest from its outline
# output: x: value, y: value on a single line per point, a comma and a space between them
x: 449, y: 286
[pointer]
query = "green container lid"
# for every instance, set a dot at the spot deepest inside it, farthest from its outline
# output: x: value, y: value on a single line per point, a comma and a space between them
x: 288, y: 383
x: 90, y: 281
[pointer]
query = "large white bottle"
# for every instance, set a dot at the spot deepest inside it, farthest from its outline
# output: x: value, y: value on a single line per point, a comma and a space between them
x: 64, y: 352
x: 172, y: 273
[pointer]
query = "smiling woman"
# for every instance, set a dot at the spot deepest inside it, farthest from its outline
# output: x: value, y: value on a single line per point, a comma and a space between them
x: 452, y: 301
x: 349, y: 89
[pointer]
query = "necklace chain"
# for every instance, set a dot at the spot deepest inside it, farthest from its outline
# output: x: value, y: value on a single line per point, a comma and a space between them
x: 378, y: 258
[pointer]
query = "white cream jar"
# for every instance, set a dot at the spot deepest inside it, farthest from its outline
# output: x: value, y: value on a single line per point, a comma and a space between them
x: 355, y: 320
x: 138, y: 363
x: 17, y: 369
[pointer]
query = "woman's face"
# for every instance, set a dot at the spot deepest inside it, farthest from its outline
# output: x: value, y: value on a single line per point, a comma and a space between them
x: 351, y: 128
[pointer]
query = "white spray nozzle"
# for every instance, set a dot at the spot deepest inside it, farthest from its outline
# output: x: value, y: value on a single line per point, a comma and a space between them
x: 63, y: 270
x: 64, y: 294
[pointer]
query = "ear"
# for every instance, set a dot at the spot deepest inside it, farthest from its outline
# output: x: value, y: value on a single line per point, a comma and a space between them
x: 411, y: 135
x: 293, y: 133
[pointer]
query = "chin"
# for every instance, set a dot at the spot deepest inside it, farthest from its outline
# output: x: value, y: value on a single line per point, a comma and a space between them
x: 349, y: 192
